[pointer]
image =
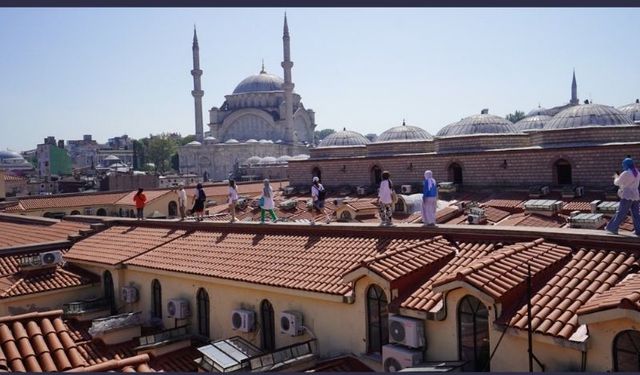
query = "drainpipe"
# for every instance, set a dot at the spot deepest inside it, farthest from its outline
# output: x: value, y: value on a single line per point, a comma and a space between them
x: 529, y: 334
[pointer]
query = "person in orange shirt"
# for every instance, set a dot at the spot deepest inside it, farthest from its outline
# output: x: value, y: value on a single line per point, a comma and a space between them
x: 140, y: 199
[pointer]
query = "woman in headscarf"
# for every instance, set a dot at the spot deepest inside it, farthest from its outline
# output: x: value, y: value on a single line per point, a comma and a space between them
x: 429, y: 199
x: 628, y: 182
x: 267, y: 202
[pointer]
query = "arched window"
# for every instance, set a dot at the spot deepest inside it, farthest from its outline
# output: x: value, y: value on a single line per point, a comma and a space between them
x: 316, y: 172
x: 101, y: 212
x: 203, y: 312
x: 376, y: 175
x: 454, y: 173
x: 562, y: 171
x: 626, y: 351
x: 109, y: 295
x: 173, y: 209
x: 377, y: 319
x: 268, y: 336
x: 75, y: 212
x: 473, y: 334
x: 156, y: 299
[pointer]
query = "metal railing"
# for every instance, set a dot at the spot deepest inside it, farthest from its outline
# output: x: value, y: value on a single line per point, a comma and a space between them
x: 79, y: 307
x: 171, y: 334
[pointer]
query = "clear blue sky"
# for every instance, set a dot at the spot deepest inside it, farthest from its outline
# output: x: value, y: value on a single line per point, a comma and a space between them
x: 107, y: 72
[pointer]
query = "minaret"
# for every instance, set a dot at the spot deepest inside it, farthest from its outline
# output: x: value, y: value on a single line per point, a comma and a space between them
x: 287, y: 64
x: 197, y: 92
x: 574, y: 90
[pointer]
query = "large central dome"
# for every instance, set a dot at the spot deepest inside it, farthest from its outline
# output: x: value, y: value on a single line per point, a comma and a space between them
x: 259, y: 83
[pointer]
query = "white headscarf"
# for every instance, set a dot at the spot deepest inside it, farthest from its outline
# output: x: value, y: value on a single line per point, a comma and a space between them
x: 429, y: 179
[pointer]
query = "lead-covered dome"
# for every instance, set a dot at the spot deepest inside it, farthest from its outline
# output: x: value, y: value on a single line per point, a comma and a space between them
x: 588, y: 115
x: 484, y: 123
x: 632, y: 110
x: 344, y: 138
x: 259, y: 83
x: 538, y: 112
x: 9, y: 155
x: 404, y: 133
x: 532, y: 123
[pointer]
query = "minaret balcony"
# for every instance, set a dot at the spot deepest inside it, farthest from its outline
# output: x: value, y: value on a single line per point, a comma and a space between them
x: 196, y: 72
x: 197, y: 93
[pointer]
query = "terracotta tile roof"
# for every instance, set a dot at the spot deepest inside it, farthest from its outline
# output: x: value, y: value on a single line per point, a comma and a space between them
x: 306, y: 262
x: 577, y: 205
x: 447, y: 213
x: 243, y: 189
x: 424, y: 298
x: 502, y: 273
x: 625, y: 295
x: 534, y: 220
x: 8, y: 177
x: 119, y: 243
x: 494, y: 215
x: 26, y: 232
x: 555, y: 304
x: 509, y: 204
x: 179, y: 361
x: 150, y: 194
x: 66, y: 200
x: 24, y: 283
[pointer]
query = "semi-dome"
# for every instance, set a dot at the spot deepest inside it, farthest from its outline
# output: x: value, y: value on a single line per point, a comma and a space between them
x: 404, y: 133
x: 532, y: 122
x: 484, y: 123
x: 588, y: 115
x: 231, y: 141
x: 632, y: 110
x: 259, y: 83
x: 344, y: 138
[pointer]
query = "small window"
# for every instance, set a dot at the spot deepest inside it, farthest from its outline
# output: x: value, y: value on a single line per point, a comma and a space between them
x: 156, y: 299
x: 377, y: 319
x: 626, y: 351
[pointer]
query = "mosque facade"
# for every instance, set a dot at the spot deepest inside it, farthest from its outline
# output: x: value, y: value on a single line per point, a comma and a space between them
x: 262, y: 119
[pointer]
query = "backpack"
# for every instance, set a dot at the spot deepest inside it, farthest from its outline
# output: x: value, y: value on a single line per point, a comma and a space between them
x: 322, y: 194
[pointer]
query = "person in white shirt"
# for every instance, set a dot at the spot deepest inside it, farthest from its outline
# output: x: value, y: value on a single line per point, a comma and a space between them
x: 233, y: 198
x: 628, y: 182
x: 385, y: 199
x: 182, y: 201
x: 318, y: 197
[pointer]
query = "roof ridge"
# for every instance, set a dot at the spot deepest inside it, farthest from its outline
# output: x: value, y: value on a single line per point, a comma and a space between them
x: 399, y: 249
x: 31, y: 315
x: 17, y: 281
x: 186, y: 233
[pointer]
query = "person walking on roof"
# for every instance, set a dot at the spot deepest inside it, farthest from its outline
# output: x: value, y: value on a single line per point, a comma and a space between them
x: 233, y: 198
x: 429, y: 199
x: 318, y: 196
x: 198, y: 204
x: 386, y: 199
x: 266, y: 202
x: 140, y: 199
x: 182, y: 201
x: 628, y: 182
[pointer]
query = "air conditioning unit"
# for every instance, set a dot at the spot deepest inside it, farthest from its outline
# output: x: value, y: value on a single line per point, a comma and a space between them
x: 241, y: 203
x: 476, y: 216
x: 447, y: 187
x: 361, y: 190
x: 396, y: 357
x: 178, y: 308
x: 406, y: 331
x: 51, y: 258
x: 129, y: 294
x: 243, y: 320
x: 291, y: 323
x: 406, y: 189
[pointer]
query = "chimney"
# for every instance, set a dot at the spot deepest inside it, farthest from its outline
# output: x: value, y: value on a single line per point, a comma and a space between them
x: 484, y: 111
x: 60, y: 143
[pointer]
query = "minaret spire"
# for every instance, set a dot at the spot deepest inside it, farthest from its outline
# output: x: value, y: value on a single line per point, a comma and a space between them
x: 262, y: 71
x: 288, y: 85
x: 574, y: 90
x: 197, y: 92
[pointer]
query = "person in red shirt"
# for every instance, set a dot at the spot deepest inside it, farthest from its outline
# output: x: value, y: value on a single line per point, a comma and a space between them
x: 140, y: 199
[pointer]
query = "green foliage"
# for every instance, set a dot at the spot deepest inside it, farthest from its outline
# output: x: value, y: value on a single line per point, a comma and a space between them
x: 322, y: 134
x: 160, y: 150
x: 190, y: 138
x: 515, y: 116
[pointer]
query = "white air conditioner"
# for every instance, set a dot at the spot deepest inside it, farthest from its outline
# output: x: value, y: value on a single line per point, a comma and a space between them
x: 51, y: 258
x: 396, y: 357
x: 361, y: 190
x: 406, y: 331
x: 243, y: 320
x: 291, y: 323
x: 178, y: 308
x: 129, y: 294
x: 406, y: 189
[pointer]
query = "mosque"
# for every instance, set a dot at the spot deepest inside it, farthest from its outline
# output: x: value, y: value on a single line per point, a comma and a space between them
x: 263, y: 118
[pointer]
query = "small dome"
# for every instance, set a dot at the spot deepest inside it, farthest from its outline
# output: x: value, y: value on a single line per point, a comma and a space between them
x: 484, y: 123
x: 532, y: 123
x: 588, y: 115
x: 632, y: 110
x: 344, y: 138
x: 540, y: 111
x: 268, y: 160
x: 265, y: 141
x: 251, y: 141
x: 279, y: 141
x: 192, y: 144
x: 283, y: 159
x: 259, y: 83
x: 209, y: 138
x: 112, y: 157
x: 10, y: 155
x: 300, y: 157
x: 231, y: 141
x: 404, y: 133
x: 254, y: 160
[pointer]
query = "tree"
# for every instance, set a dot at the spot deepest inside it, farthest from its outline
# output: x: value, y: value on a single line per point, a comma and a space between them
x: 184, y: 140
x: 161, y: 147
x: 322, y: 134
x: 515, y: 116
